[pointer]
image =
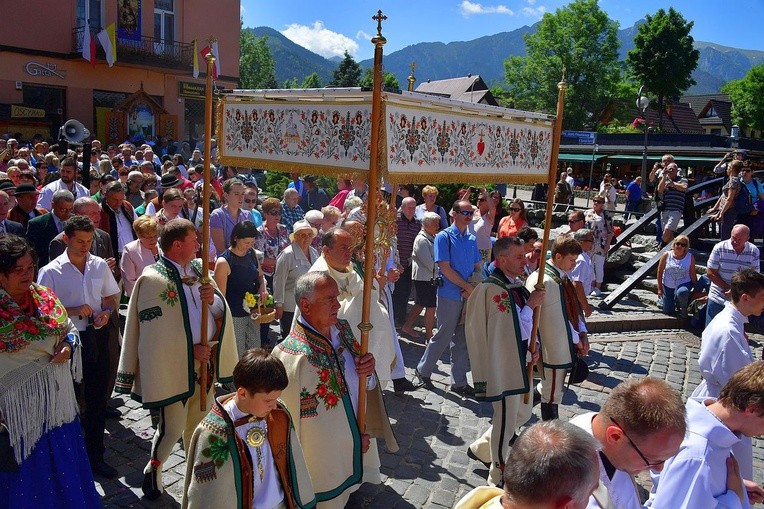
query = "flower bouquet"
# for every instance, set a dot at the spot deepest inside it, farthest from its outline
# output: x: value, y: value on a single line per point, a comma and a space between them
x: 260, y: 311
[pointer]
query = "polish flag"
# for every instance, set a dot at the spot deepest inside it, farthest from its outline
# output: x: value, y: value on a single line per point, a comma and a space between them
x: 88, y: 46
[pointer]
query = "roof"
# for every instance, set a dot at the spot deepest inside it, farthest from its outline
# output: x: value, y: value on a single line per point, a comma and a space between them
x: 678, y: 118
x: 469, y: 89
x: 698, y: 102
x: 716, y: 112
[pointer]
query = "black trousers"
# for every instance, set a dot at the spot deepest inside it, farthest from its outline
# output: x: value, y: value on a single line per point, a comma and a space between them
x: 401, y: 295
x: 95, y: 370
x: 286, y: 323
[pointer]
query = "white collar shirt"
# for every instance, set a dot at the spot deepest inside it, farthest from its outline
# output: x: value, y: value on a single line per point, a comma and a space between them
x: 194, y: 305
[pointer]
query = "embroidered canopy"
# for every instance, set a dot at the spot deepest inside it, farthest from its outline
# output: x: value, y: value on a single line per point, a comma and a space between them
x: 424, y: 138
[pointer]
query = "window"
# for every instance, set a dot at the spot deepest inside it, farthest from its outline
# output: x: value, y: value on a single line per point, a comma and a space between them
x: 164, y: 21
x: 90, y: 10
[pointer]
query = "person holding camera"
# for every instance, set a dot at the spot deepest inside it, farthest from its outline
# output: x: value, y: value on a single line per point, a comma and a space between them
x: 457, y: 256
x: 672, y: 189
x: 425, y: 277
x: 735, y: 155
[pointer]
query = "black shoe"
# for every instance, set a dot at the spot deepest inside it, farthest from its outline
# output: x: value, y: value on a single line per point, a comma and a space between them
x: 471, y: 455
x: 100, y: 467
x: 403, y: 385
x: 150, y: 491
x: 113, y: 413
x: 464, y: 390
x: 425, y: 381
x: 549, y: 411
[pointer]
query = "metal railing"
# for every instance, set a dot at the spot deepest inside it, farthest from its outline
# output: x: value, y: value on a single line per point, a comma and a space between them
x: 146, y: 50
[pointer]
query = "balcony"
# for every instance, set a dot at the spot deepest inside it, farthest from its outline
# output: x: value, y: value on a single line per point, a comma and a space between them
x: 146, y: 51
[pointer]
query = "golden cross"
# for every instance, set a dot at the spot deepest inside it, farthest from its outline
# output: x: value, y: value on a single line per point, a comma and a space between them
x: 379, y: 18
x: 413, y: 66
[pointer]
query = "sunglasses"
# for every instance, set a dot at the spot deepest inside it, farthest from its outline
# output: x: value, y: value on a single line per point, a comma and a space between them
x: 247, y: 200
x: 274, y: 213
x: 465, y: 212
x: 515, y: 209
x: 680, y: 244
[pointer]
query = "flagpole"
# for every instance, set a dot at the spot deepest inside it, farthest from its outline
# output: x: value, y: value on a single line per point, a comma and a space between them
x: 551, y: 177
x: 371, y: 211
x: 210, y: 58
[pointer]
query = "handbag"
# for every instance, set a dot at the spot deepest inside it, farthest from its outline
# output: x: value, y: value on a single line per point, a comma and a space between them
x: 7, y: 459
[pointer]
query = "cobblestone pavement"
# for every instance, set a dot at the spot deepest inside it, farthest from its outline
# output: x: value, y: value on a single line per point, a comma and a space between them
x: 434, y: 428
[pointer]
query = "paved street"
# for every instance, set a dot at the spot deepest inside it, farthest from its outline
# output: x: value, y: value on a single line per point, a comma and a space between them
x: 435, y: 428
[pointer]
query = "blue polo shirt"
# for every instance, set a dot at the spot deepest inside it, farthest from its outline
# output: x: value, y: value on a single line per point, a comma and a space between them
x: 461, y: 251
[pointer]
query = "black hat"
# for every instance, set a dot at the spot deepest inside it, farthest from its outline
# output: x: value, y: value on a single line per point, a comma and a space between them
x: 26, y: 189
x: 310, y: 179
x: 169, y: 180
x: 7, y: 186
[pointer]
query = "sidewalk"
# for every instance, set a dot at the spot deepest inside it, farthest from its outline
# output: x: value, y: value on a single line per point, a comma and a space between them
x: 434, y: 428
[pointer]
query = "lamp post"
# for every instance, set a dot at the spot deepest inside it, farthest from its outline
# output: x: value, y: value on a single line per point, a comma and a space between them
x: 734, y: 135
x: 642, y: 103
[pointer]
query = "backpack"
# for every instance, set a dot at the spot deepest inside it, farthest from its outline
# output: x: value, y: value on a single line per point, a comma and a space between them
x: 743, y: 203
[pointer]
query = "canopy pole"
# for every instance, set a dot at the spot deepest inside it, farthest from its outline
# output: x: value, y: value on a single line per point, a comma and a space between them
x: 371, y: 210
x: 206, y: 222
x: 551, y: 181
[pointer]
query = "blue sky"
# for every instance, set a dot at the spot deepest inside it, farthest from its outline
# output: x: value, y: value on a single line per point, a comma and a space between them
x: 331, y: 27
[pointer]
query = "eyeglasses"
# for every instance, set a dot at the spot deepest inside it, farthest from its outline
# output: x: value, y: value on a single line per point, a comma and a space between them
x: 515, y: 209
x: 680, y: 244
x: 644, y: 458
x: 274, y: 213
x: 247, y: 200
x: 465, y: 212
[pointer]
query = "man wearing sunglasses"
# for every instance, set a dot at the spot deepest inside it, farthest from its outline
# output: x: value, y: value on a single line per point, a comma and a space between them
x: 457, y: 256
x: 640, y: 426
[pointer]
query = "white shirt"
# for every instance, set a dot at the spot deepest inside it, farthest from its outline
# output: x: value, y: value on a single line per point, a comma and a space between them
x: 621, y: 487
x: 45, y: 200
x: 124, y: 230
x: 268, y: 493
x: 581, y: 323
x: 194, y: 305
x: 696, y: 477
x: 74, y: 288
x: 584, y: 271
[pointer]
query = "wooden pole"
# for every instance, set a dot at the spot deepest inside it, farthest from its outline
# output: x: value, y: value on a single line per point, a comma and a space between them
x: 551, y: 181
x: 206, y: 221
x: 371, y: 211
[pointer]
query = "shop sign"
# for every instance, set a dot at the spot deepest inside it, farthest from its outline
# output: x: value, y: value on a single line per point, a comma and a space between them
x: 38, y: 69
x: 26, y: 112
x: 191, y: 90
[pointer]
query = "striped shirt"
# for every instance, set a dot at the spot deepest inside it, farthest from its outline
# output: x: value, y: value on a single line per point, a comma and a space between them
x: 725, y: 260
x: 673, y: 199
x: 407, y: 232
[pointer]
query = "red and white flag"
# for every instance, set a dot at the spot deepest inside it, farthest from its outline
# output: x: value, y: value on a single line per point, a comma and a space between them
x: 88, y: 46
x: 214, y: 50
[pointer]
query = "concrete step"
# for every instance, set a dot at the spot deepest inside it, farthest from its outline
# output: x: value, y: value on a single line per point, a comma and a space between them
x: 636, y: 313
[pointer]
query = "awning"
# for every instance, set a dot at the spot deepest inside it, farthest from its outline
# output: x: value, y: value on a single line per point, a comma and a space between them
x: 579, y: 157
x: 636, y: 158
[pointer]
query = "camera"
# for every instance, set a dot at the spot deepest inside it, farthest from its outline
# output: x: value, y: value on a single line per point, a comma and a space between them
x: 437, y: 281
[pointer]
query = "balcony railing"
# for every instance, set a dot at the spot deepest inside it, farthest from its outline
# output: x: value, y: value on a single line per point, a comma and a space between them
x: 146, y: 50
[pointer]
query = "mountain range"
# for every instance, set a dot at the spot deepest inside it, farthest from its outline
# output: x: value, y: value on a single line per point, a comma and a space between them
x: 485, y: 56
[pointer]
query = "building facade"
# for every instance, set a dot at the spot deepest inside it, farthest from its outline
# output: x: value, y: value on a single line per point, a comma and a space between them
x: 44, y: 79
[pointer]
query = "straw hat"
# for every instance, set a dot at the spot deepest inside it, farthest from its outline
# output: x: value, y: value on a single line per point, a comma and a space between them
x: 302, y: 225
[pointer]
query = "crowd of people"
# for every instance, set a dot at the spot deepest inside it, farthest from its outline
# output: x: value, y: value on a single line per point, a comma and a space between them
x: 103, y: 290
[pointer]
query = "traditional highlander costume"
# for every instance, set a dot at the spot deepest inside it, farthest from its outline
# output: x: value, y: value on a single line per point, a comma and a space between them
x: 322, y: 392
x: 157, y: 363
x: 560, y: 323
x: 225, y: 470
x: 498, y: 325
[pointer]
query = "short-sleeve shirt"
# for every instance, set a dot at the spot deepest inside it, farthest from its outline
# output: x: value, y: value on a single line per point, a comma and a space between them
x: 221, y: 219
x: 74, y: 288
x: 461, y: 251
x: 725, y: 260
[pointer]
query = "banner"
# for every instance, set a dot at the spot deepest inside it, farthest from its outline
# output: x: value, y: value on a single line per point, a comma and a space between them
x: 430, y: 141
x: 129, y: 16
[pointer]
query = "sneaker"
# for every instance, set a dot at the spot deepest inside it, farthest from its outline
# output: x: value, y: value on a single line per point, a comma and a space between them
x: 596, y: 292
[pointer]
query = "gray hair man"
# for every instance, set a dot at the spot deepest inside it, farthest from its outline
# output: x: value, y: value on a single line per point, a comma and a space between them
x: 42, y: 229
x: 583, y: 273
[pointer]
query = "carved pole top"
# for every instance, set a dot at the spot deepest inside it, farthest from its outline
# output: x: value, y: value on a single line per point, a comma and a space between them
x: 379, y: 18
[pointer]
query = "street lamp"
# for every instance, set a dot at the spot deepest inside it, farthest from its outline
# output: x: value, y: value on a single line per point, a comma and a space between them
x: 642, y: 103
x: 734, y: 136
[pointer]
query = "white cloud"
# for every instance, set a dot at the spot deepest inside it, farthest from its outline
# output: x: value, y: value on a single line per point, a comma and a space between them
x: 362, y: 36
x: 469, y: 8
x: 242, y: 10
x: 534, y: 12
x: 321, y: 40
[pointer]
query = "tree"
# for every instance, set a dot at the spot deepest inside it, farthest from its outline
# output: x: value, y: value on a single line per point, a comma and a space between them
x: 388, y: 79
x: 347, y: 74
x: 311, y: 81
x: 747, y: 97
x: 663, y: 57
x: 256, y: 66
x: 582, y: 39
x: 293, y: 83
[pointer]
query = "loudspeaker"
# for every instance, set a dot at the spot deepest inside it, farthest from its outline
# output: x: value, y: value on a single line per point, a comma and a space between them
x: 73, y: 131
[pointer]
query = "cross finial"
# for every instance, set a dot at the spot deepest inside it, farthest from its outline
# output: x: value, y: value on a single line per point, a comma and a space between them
x: 412, y: 66
x: 563, y: 73
x: 379, y: 18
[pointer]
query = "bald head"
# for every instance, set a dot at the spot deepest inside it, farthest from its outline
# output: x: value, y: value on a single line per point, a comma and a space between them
x: 408, y: 207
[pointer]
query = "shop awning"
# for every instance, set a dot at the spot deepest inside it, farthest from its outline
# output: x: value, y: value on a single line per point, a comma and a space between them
x: 575, y: 158
x: 636, y: 158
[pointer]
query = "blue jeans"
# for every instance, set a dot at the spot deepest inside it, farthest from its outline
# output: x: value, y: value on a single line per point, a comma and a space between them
x: 450, y: 333
x: 676, y: 296
x: 712, y: 309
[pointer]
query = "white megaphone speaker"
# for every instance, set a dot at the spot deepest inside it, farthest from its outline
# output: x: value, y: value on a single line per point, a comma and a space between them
x: 74, y: 132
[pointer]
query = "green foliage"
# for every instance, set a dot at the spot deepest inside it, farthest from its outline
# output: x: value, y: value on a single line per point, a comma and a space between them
x: 291, y: 83
x: 503, y: 97
x: 582, y: 39
x: 256, y: 66
x: 311, y: 81
x: 276, y: 183
x: 389, y: 80
x: 347, y: 74
x: 747, y: 97
x: 663, y: 57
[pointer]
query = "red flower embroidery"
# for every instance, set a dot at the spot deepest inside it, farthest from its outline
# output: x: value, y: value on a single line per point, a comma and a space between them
x: 322, y: 390
x: 324, y: 375
x: 496, y: 299
x: 331, y: 400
